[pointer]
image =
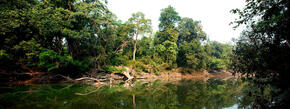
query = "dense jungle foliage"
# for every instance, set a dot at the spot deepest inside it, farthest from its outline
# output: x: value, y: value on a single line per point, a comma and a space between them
x: 262, y: 52
x: 75, y: 37
x: 79, y: 37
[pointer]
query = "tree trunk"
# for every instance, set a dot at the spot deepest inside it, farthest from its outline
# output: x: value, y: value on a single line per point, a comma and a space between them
x: 135, y: 46
x: 134, y: 52
x: 59, y: 42
x: 70, y: 47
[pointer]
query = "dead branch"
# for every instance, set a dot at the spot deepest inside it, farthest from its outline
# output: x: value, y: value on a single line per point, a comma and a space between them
x: 88, y: 78
x: 121, y: 47
x: 66, y: 77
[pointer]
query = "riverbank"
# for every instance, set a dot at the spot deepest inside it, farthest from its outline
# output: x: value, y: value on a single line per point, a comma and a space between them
x: 176, y: 73
x: 128, y: 75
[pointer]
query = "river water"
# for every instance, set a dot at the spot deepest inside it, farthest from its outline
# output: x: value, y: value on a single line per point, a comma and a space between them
x: 182, y: 94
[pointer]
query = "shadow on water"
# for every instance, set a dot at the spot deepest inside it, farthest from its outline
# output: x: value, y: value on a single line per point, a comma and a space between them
x: 185, y: 94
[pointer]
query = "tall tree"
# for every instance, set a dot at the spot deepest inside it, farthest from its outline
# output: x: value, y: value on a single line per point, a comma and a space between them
x: 219, y: 55
x: 189, y: 30
x: 168, y: 25
x: 167, y: 35
x: 191, y: 55
x: 140, y: 25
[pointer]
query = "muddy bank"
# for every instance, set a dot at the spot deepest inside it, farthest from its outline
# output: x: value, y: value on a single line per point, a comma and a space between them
x: 175, y: 74
x: 125, y: 76
x: 171, y: 76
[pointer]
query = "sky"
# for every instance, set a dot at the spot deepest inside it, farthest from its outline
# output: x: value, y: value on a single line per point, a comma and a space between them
x: 214, y: 15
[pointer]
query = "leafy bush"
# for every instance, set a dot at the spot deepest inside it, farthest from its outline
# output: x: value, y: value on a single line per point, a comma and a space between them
x: 3, y: 54
x: 118, y: 59
x: 50, y: 61
x: 138, y: 66
x: 29, y: 52
x: 186, y: 70
x: 216, y: 64
x: 150, y: 65
x: 192, y: 55
x: 113, y: 69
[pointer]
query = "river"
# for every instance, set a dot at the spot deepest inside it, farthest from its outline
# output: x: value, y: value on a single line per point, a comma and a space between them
x: 182, y: 94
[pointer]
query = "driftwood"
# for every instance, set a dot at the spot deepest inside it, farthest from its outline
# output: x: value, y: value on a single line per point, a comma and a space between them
x: 42, y: 77
x: 66, y: 77
x: 128, y: 73
x: 89, y: 78
x: 31, y: 72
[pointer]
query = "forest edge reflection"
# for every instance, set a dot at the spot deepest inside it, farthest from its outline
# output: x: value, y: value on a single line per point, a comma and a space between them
x: 185, y: 94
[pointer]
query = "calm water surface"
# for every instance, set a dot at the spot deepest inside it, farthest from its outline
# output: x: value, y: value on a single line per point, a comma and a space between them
x: 183, y: 94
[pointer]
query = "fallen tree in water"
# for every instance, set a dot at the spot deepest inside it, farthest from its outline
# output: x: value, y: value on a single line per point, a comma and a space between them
x: 34, y: 77
x: 117, y: 74
x: 128, y: 72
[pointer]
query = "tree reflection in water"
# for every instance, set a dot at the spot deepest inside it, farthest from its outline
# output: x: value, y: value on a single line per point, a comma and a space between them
x: 186, y: 94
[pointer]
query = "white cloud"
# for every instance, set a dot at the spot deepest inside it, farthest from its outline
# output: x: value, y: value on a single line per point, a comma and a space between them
x: 213, y: 14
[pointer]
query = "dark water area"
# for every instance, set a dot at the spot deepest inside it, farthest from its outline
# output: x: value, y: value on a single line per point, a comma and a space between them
x: 183, y: 94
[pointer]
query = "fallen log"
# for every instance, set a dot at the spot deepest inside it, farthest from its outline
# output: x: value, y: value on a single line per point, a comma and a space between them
x: 89, y: 78
x: 127, y: 73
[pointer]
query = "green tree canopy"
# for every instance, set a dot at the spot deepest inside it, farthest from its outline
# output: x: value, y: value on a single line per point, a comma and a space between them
x: 167, y: 27
x: 140, y: 25
x: 189, y: 30
x: 263, y: 49
x: 191, y: 55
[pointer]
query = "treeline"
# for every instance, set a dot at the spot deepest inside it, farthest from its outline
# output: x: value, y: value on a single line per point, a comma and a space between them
x: 74, y: 37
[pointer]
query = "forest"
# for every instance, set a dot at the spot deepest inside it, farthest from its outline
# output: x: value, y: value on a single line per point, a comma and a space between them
x: 75, y: 38
x: 83, y: 38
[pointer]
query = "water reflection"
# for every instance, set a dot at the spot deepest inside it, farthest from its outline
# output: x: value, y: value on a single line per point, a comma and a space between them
x: 185, y: 94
